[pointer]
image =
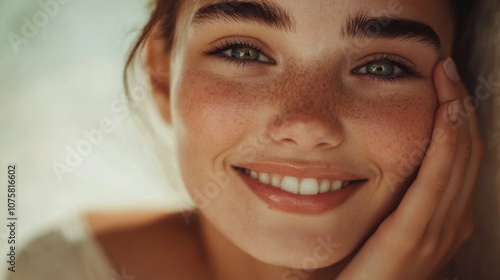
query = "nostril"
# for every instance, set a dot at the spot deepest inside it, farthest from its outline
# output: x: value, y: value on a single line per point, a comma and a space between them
x: 303, y: 145
x: 288, y: 141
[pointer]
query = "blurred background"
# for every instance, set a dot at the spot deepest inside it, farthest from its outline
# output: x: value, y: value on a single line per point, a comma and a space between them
x: 61, y: 65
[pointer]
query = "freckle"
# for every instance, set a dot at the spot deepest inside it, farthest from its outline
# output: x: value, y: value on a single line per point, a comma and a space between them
x: 306, y: 91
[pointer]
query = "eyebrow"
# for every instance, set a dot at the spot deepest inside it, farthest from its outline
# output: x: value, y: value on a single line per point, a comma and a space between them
x: 361, y: 26
x: 249, y: 11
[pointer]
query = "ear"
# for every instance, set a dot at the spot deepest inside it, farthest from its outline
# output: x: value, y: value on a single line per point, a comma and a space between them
x: 157, y: 66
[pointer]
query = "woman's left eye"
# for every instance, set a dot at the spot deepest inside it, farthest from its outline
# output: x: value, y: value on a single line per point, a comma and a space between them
x: 380, y: 68
x: 387, y: 68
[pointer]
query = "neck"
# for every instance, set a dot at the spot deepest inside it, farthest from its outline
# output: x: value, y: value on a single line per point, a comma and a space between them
x: 227, y: 261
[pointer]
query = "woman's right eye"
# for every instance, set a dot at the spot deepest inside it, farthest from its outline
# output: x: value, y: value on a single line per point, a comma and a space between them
x: 244, y: 53
x: 240, y: 52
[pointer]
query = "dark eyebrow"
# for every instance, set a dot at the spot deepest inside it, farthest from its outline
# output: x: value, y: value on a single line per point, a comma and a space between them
x: 361, y: 26
x: 248, y: 11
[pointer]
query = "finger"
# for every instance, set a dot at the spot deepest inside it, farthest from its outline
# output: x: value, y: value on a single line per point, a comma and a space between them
x: 423, y: 197
x: 470, y: 151
x: 446, y: 71
x: 476, y: 158
x: 448, y: 210
x: 462, y: 233
x: 463, y: 202
x: 448, y: 86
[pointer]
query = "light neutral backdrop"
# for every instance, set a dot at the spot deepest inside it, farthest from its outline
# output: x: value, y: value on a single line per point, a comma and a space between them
x: 58, y: 81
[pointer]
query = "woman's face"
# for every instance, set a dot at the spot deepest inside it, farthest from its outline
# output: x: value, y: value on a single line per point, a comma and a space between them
x: 306, y: 96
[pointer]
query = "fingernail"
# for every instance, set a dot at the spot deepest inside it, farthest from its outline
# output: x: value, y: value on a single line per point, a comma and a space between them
x: 450, y: 68
x: 453, y: 110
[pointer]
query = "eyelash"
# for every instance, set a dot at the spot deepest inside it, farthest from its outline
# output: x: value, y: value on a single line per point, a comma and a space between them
x: 409, y: 71
x: 235, y: 43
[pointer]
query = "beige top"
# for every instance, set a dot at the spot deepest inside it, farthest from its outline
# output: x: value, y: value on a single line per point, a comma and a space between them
x: 67, y: 252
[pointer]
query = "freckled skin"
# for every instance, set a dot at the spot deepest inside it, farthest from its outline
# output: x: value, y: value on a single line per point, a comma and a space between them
x: 308, y: 107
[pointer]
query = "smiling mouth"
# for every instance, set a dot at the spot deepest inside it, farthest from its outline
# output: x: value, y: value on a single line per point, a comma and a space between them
x: 296, y: 185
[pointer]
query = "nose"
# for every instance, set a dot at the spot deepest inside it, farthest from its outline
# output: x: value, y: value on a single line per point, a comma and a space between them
x: 308, y: 113
x: 306, y: 130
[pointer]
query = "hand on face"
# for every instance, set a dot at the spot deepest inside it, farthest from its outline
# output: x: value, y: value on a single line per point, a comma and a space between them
x: 435, y: 217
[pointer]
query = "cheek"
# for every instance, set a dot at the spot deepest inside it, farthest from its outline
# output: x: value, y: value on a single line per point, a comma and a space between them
x: 395, y: 130
x: 210, y: 119
x: 214, y: 116
x: 209, y: 110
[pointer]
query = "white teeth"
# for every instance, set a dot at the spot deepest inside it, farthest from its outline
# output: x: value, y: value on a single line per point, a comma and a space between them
x: 336, y: 185
x: 324, y: 186
x: 264, y: 178
x: 275, y: 181
x: 309, y: 186
x: 306, y: 186
x: 290, y: 184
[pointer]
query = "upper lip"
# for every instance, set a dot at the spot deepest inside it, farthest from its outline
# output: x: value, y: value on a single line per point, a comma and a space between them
x: 301, y: 170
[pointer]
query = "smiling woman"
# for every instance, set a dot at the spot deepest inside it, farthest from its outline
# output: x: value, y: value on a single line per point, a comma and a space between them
x: 341, y: 104
x: 318, y: 140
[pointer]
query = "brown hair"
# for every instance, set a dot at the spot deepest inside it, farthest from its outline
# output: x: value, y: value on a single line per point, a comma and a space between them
x: 164, y: 16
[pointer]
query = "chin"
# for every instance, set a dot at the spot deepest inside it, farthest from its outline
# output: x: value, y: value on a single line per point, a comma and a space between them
x: 298, y: 261
x: 296, y: 250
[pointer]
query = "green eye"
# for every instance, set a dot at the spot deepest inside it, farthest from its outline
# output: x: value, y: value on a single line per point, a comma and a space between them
x: 387, y: 68
x: 246, y: 54
x: 380, y: 68
x: 239, y: 52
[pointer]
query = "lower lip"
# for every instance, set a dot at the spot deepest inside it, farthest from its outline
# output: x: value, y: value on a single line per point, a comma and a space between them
x: 300, y: 204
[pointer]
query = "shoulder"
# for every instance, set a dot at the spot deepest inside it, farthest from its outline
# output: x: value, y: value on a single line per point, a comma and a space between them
x: 66, y: 251
x: 149, y: 244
